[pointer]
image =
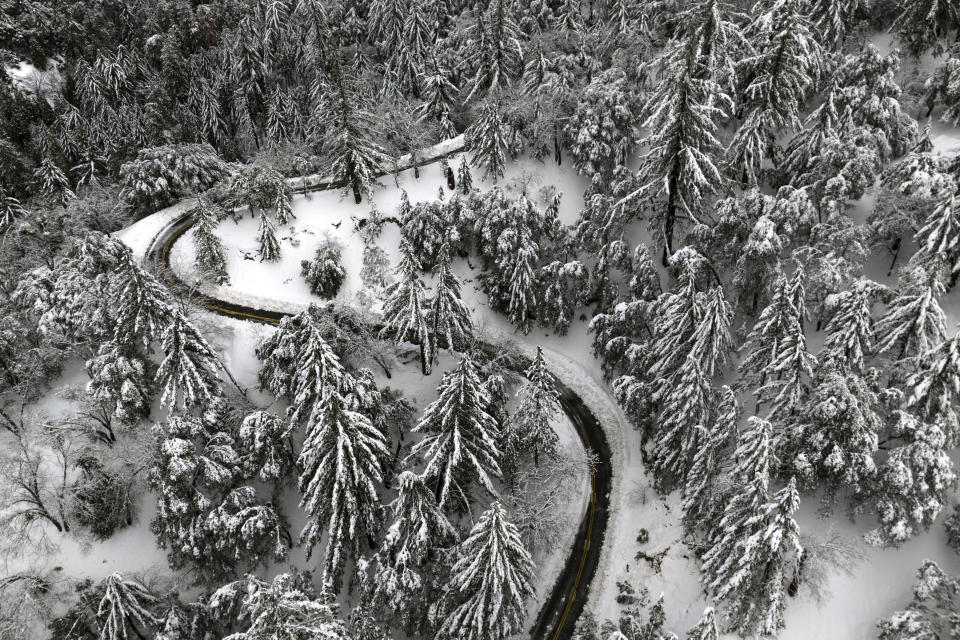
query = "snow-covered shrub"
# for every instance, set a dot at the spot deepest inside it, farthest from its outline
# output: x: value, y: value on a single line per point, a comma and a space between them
x: 103, y: 499
x: 162, y: 175
x: 931, y: 613
x: 325, y: 274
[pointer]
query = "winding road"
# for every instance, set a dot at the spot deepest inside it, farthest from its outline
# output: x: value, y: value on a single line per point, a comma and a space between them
x: 566, y: 601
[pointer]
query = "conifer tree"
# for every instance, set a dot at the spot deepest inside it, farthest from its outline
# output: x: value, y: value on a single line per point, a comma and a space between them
x: 778, y: 78
x: 490, y: 580
x: 269, y: 246
x: 688, y: 404
x: 449, y: 316
x: 679, y: 170
x: 602, y: 130
x: 701, y: 494
x: 787, y: 376
x: 325, y: 273
x: 402, y: 579
x: 914, y: 322
x: 464, y: 177
x: 340, y: 468
x: 385, y: 23
x: 939, y: 238
x: 912, y: 484
x: 538, y: 404
x: 924, y: 24
x: 933, y: 391
x: 188, y: 372
x: 523, y: 304
x: 498, y: 56
x: 711, y: 340
x: 124, y: 608
x: 487, y: 140
x: 356, y: 158
x: 459, y: 444
x: 405, y: 312
x: 210, y: 257
x: 932, y: 611
x: 118, y: 378
x: 145, y: 306
x: 438, y: 100
x: 850, y: 330
x: 707, y: 628
x: 834, y: 435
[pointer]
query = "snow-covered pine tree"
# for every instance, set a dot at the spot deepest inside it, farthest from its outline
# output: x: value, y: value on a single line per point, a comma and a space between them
x: 925, y: 24
x: 145, y: 306
x: 498, y: 55
x: 490, y: 580
x: 464, y: 177
x: 118, y: 378
x: 403, y: 579
x: 285, y: 607
x: 702, y: 504
x: 487, y: 139
x: 777, y: 81
x: 265, y: 447
x: 688, y: 403
x: 943, y: 88
x: 124, y: 608
x: 766, y: 562
x: 602, y: 130
x: 711, y: 340
x: 439, y: 94
x: 189, y: 370
x: 912, y: 483
x: 449, y: 316
x: 835, y: 18
x: 523, y: 305
x: 459, y: 443
x: 939, y: 238
x: 563, y: 290
x: 850, y: 330
x: 787, y: 377
x: 679, y: 170
x: 356, y: 158
x: 538, y: 404
x: 933, y: 390
x: 931, y: 613
x: 834, y: 435
x: 325, y: 273
x: 385, y: 24
x: 53, y: 183
x: 340, y: 468
x: 914, y: 322
x: 268, y: 245
x: 299, y: 364
x: 750, y: 475
x: 678, y: 314
x: 405, y: 312
x: 209, y: 247
x: 706, y: 628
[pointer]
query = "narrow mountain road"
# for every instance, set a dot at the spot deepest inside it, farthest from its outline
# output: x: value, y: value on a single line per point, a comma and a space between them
x: 566, y: 601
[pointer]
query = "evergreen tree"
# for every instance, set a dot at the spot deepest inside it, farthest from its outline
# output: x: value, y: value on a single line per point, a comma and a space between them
x: 325, y: 274
x: 538, y: 405
x: 403, y: 580
x: 438, y: 100
x: 602, y: 130
x: 356, y: 158
x: 688, y: 404
x: 706, y: 628
x: 935, y: 388
x: 914, y: 321
x: 487, y: 139
x: 125, y: 607
x: 834, y: 435
x: 932, y: 611
x: 340, y: 468
x: 912, y: 484
x: 209, y: 247
x: 385, y: 23
x: 145, y: 306
x: 449, y: 316
x: 498, y: 56
x: 118, y: 378
x: 265, y: 447
x: 788, y: 62
x: 679, y: 171
x: 835, y: 18
x: 405, y: 312
x: 711, y: 340
x: 939, y: 238
x: 459, y: 444
x: 188, y: 372
x: 490, y: 580
x: 850, y: 331
x: 464, y: 178
x: 522, y: 306
x: 701, y: 494
x: 924, y: 24
x: 284, y: 608
x: 269, y: 246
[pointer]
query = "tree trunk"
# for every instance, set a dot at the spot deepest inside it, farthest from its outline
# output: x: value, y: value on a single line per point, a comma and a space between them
x: 424, y: 359
x: 356, y: 191
x: 451, y: 181
x: 896, y: 253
